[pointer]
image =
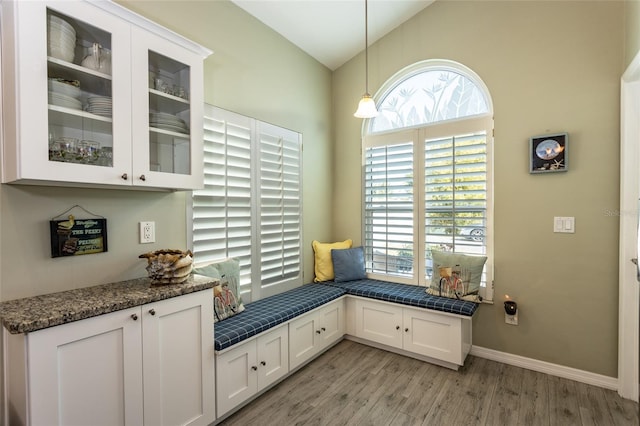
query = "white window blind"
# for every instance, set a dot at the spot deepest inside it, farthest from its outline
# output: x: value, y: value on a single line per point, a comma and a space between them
x: 389, y: 209
x: 250, y: 206
x: 280, y: 204
x: 455, y: 195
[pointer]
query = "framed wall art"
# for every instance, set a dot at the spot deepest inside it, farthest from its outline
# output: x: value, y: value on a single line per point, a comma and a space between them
x: 549, y: 153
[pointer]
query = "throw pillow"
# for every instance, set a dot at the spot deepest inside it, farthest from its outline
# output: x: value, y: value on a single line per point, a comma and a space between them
x: 322, y: 257
x: 456, y: 275
x: 226, y: 295
x: 348, y: 264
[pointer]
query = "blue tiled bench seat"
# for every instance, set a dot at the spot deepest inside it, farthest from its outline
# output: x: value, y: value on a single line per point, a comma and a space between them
x: 266, y: 313
x: 406, y: 295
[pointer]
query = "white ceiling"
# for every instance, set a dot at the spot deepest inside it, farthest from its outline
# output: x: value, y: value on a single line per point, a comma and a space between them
x: 332, y: 31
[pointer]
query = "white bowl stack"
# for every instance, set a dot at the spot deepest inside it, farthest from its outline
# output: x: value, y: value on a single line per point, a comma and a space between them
x: 64, y: 94
x: 62, y: 39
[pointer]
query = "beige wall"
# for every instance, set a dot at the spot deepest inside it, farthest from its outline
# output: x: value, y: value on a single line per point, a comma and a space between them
x: 253, y: 71
x: 632, y: 30
x: 550, y: 67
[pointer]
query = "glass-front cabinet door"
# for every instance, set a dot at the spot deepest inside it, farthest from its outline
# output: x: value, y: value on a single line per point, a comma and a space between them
x: 93, y: 94
x: 167, y: 113
x: 74, y: 85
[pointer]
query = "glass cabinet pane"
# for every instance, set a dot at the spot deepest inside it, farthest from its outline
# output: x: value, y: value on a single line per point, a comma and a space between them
x: 169, y: 115
x: 79, y: 91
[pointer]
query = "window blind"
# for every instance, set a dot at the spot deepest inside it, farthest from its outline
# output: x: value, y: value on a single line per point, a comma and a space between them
x: 251, y: 205
x: 455, y: 195
x: 389, y: 209
x: 280, y: 204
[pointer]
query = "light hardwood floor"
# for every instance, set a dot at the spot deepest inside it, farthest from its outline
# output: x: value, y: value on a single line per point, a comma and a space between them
x: 354, y: 384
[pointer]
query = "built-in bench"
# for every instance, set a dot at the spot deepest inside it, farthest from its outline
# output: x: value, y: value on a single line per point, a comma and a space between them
x: 269, y: 312
x: 264, y: 314
x: 405, y: 294
x: 275, y: 336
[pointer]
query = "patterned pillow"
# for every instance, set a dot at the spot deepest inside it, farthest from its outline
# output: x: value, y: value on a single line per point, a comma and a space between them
x: 456, y: 276
x: 348, y: 264
x: 226, y: 296
x: 322, y: 257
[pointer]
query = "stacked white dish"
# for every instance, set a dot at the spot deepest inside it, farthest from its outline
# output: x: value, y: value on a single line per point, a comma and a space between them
x: 100, y: 105
x: 164, y: 121
x: 62, y: 39
x: 65, y: 87
x: 64, y: 101
x: 65, y: 93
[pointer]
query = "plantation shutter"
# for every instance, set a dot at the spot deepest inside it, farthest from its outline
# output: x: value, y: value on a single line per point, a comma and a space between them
x: 389, y: 218
x: 280, y: 230
x: 222, y: 213
x: 456, y: 194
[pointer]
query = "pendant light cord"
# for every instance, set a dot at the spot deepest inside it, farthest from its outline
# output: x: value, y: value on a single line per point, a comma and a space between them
x: 366, y: 47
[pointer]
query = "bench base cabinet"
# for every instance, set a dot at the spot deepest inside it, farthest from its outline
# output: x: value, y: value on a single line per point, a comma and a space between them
x: 311, y: 333
x: 151, y: 365
x: 443, y: 337
x: 250, y: 367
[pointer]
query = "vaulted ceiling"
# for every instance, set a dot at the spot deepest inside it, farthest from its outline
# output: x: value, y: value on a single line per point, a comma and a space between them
x: 332, y: 31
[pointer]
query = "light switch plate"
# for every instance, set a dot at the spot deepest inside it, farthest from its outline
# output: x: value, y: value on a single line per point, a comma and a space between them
x: 564, y: 224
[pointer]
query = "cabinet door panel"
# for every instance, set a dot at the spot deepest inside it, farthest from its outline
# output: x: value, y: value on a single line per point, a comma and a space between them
x: 273, y: 356
x: 237, y: 378
x: 43, y: 120
x: 87, y: 372
x: 303, y: 339
x: 332, y: 322
x: 433, y: 335
x: 166, y: 154
x: 379, y: 322
x: 178, y: 360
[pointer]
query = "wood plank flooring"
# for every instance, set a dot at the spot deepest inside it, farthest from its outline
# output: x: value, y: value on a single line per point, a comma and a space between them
x: 354, y: 384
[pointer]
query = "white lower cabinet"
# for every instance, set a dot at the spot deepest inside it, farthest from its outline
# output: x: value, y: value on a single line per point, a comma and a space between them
x: 251, y: 366
x: 151, y: 365
x: 435, y: 335
x: 311, y: 333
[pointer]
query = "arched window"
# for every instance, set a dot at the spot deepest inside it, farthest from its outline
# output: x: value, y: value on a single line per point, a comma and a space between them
x: 428, y: 178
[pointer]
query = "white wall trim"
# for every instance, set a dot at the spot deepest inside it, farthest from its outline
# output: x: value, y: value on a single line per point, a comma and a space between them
x: 629, y: 290
x: 546, y: 367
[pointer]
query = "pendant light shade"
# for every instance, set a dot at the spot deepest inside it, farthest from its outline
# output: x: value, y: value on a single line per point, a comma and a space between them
x: 366, y: 107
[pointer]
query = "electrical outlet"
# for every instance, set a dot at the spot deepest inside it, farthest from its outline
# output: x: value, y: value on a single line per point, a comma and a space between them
x: 511, y: 319
x: 147, y: 232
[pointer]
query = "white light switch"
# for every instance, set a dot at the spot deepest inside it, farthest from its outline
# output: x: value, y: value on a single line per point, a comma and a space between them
x: 564, y: 224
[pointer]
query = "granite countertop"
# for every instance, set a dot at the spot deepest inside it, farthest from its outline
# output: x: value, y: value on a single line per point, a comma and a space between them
x: 48, y: 310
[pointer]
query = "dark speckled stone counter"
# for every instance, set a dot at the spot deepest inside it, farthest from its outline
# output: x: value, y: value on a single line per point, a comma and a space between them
x: 35, y: 313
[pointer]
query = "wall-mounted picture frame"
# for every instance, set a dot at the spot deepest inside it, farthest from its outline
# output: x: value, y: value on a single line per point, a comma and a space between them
x: 549, y: 153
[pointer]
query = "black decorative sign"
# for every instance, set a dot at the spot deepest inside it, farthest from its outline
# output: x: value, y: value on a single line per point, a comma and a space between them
x: 74, y: 237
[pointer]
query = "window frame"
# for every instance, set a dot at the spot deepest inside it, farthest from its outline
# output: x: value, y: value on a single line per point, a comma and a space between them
x: 420, y: 133
x: 219, y: 121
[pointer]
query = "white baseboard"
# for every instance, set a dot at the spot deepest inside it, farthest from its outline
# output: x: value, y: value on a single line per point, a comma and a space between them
x: 547, y: 368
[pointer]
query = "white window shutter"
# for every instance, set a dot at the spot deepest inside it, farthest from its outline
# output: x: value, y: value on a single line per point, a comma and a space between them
x: 280, y: 205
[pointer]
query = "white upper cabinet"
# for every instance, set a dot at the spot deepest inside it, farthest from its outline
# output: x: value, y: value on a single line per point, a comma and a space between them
x: 94, y: 95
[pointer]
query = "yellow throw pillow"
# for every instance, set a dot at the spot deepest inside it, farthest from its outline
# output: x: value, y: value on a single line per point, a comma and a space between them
x: 323, y: 262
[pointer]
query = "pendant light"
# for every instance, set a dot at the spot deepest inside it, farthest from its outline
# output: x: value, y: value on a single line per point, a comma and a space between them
x: 366, y: 107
